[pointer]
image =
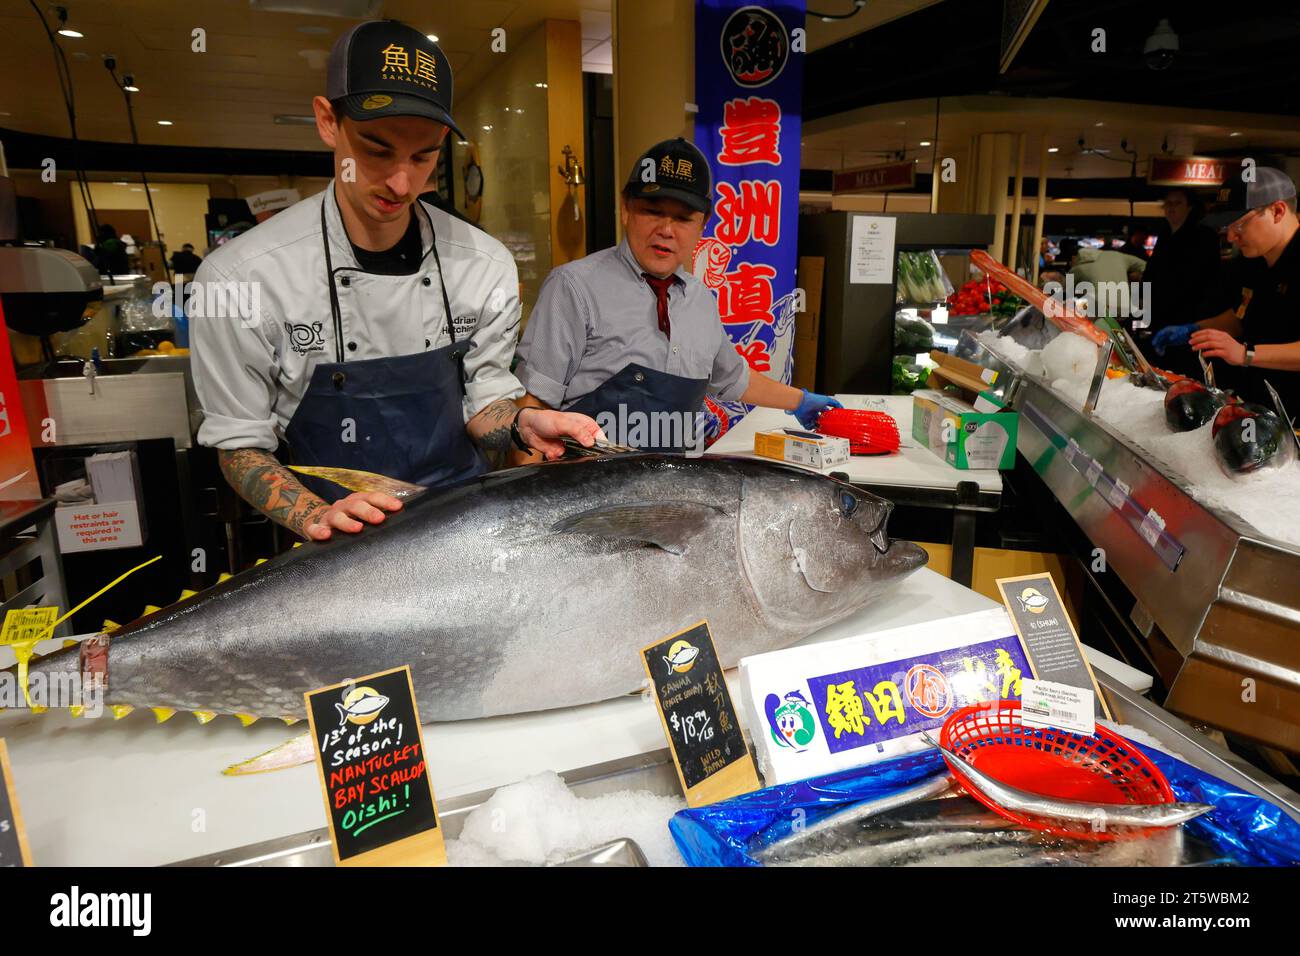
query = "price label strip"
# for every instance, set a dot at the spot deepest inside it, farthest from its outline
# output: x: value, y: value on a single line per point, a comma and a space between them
x: 14, y: 850
x: 371, y: 758
x: 698, y: 717
x: 1117, y: 494
x: 1047, y: 635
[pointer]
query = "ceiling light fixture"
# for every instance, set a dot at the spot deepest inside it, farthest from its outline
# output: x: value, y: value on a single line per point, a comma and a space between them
x: 128, y: 84
x: 925, y: 142
x: 164, y: 122
x: 1053, y: 149
x: 433, y: 37
x: 1234, y: 133
x: 64, y: 29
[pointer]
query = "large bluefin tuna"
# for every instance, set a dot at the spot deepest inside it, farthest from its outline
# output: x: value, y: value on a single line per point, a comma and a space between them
x: 524, y: 590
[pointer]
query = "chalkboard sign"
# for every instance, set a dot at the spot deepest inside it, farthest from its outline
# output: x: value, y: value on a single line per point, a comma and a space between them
x: 1047, y: 634
x: 371, y: 757
x: 698, y: 716
x: 13, y: 838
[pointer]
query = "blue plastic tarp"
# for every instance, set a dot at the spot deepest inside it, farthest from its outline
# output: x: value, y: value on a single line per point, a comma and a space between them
x: 1242, y: 827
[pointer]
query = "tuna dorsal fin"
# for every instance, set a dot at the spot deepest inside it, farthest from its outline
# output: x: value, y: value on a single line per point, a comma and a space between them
x: 361, y: 480
x: 667, y: 524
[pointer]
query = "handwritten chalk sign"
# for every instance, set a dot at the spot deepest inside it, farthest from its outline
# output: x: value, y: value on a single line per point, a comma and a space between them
x: 1047, y: 634
x: 14, y: 850
x: 371, y: 758
x: 698, y: 717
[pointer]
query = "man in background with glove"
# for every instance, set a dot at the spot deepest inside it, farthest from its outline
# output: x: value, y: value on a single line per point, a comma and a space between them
x: 628, y: 336
x: 1259, y: 331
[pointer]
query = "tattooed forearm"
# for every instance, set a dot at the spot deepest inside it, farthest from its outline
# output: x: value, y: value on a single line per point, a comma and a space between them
x: 270, y: 488
x: 490, y: 429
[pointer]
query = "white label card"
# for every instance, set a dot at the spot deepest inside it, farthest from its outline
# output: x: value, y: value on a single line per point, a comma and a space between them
x: 1117, y: 494
x: 1152, y: 525
x: 1094, y: 472
x: 1072, y: 450
x: 1045, y: 703
x: 871, y: 253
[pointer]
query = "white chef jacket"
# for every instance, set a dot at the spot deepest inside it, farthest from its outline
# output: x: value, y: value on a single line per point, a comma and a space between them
x: 252, y: 361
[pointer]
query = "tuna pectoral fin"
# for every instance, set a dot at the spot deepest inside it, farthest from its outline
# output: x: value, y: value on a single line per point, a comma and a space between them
x: 291, y: 753
x: 666, y: 524
x: 361, y: 481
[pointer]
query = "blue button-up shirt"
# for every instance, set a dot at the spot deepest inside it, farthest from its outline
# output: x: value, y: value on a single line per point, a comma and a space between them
x: 597, y: 315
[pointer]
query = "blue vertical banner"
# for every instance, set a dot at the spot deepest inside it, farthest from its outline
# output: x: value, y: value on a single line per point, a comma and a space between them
x: 749, y: 89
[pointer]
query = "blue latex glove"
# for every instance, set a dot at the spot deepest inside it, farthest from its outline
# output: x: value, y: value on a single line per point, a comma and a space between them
x: 811, y: 407
x: 1171, y: 336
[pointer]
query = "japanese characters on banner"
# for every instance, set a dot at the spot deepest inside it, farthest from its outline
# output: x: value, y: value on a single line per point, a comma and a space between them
x: 824, y: 707
x: 749, y: 85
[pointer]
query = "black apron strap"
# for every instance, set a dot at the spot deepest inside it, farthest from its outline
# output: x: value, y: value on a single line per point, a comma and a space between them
x: 336, y: 313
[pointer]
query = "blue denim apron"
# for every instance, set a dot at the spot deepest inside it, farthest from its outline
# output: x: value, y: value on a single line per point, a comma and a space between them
x: 644, y: 391
x: 398, y: 416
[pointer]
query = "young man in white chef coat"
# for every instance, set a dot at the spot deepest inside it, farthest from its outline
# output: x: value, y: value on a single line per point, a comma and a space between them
x: 375, y: 331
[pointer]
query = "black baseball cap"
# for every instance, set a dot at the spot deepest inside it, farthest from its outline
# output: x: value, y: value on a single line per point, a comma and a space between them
x: 1239, y: 197
x: 676, y: 169
x: 386, y: 68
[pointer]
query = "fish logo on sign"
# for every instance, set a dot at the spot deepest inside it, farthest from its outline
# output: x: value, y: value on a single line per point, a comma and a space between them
x: 928, y: 691
x: 1032, y: 600
x: 361, y: 705
x: 681, y: 656
x: 790, y: 720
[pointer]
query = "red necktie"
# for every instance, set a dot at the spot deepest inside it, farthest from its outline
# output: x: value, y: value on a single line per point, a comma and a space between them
x: 661, y: 287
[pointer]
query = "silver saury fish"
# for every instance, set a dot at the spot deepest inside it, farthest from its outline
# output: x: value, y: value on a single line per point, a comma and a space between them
x: 1099, y: 815
x: 851, y: 816
x: 524, y: 590
x: 961, y: 832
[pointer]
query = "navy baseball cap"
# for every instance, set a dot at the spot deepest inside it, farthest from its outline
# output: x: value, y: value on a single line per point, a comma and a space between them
x: 386, y: 68
x: 680, y: 172
x: 1240, y: 197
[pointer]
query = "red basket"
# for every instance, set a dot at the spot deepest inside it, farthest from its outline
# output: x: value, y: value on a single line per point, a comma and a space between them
x: 1102, y: 768
x: 868, y: 432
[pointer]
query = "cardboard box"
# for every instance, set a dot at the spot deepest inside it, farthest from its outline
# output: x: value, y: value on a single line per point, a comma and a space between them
x: 802, y: 448
x: 962, y: 435
x: 99, y: 527
x: 807, y: 324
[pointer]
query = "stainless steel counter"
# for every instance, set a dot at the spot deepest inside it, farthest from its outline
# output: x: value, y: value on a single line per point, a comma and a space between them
x: 1226, y: 596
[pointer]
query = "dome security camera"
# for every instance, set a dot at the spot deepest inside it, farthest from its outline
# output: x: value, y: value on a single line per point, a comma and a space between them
x: 1161, y: 47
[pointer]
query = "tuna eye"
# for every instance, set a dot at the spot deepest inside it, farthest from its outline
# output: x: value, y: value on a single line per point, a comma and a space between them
x: 848, y: 504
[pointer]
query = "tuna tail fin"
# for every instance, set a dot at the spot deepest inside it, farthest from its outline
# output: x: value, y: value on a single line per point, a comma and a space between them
x: 364, y: 481
x: 292, y: 753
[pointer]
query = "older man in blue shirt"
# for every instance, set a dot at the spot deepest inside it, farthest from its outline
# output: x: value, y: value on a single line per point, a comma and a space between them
x: 627, y: 334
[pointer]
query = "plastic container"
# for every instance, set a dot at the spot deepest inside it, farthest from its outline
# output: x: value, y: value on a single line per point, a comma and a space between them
x: 868, y: 432
x: 1103, y: 768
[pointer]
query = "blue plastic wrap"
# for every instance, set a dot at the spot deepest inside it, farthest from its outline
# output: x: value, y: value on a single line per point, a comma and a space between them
x: 1242, y: 827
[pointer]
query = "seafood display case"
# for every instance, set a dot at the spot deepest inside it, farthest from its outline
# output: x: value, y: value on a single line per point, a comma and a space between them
x: 654, y: 773
x: 860, y: 320
x: 1207, y: 584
